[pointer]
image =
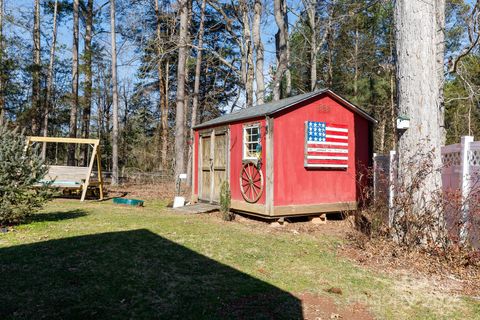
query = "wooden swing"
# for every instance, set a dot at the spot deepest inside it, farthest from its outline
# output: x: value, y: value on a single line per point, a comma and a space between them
x: 74, y: 178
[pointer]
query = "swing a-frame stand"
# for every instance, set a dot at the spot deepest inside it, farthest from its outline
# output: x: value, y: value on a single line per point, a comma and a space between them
x: 73, y: 178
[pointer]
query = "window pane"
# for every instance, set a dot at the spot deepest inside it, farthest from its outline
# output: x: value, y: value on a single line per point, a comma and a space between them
x: 251, y: 140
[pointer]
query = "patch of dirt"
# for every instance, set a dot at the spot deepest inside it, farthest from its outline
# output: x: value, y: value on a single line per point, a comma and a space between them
x: 317, y: 307
x: 160, y: 191
x: 279, y: 305
x: 337, y: 227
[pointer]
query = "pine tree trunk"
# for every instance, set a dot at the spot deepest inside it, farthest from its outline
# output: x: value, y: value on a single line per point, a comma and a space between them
x: 2, y: 85
x: 288, y: 75
x: 115, y: 180
x: 180, y: 108
x: 49, y: 100
x: 381, y: 135
x: 187, y: 108
x: 36, y: 70
x: 74, y: 98
x: 163, y: 92
x: 281, y: 44
x: 393, y: 122
x: 259, y: 52
x: 330, y: 50
x: 196, y: 90
x: 247, y: 38
x: 355, y: 61
x: 316, y: 42
x: 87, y: 107
x: 313, y: 49
x: 100, y: 116
x: 419, y: 83
x: 440, y: 58
x: 165, y: 106
x: 311, y: 10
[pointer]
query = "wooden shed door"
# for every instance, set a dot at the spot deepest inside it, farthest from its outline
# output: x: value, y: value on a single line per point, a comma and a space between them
x: 213, y: 166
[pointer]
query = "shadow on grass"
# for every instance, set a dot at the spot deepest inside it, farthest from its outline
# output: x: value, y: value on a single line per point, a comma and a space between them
x: 56, y: 216
x: 131, y: 275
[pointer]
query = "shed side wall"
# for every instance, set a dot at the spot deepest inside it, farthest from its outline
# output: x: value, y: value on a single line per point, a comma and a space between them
x: 296, y: 185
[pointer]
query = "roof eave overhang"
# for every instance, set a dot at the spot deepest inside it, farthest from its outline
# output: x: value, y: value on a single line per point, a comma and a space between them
x: 206, y: 125
x: 316, y: 94
x: 350, y: 105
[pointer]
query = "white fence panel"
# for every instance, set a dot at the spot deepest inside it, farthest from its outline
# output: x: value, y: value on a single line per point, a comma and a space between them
x: 460, y: 185
x: 383, y: 182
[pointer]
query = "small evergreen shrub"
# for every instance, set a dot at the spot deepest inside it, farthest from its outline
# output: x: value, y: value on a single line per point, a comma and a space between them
x: 20, y: 170
x: 225, y: 199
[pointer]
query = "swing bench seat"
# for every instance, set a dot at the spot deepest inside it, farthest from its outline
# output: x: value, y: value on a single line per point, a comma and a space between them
x: 67, y: 177
x: 71, y: 179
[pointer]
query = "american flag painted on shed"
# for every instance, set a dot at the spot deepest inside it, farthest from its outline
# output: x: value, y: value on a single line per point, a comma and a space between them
x: 326, y: 145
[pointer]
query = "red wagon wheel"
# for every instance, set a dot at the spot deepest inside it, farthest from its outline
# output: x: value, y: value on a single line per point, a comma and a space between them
x: 251, y: 182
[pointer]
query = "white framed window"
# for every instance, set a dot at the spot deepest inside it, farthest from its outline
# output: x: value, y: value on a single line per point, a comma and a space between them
x: 251, y: 142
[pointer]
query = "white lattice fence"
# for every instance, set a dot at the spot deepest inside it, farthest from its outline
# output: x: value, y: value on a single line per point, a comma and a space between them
x: 460, y: 185
x: 383, y: 181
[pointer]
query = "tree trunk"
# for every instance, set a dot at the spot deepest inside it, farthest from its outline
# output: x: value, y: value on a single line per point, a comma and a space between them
x: 393, y: 119
x: 162, y: 89
x: 2, y: 85
x: 123, y: 149
x: 281, y: 45
x: 36, y: 70
x: 114, y: 95
x: 187, y: 111
x: 288, y: 75
x: 247, y: 40
x: 311, y: 13
x: 355, y: 61
x: 49, y: 100
x: 99, y: 116
x: 440, y: 58
x: 259, y: 52
x: 164, y: 96
x: 87, y: 107
x: 330, y: 50
x: 381, y: 135
x: 316, y: 42
x: 160, y: 69
x: 180, y: 108
x: 74, y: 98
x: 418, y: 29
x: 196, y: 90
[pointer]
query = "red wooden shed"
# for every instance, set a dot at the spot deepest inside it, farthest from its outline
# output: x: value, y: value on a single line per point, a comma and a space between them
x: 297, y: 156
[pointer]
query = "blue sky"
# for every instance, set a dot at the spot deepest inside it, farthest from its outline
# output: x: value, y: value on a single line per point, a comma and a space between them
x: 127, y: 64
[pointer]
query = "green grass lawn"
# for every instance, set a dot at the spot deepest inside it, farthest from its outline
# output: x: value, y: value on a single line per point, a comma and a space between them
x: 98, y: 260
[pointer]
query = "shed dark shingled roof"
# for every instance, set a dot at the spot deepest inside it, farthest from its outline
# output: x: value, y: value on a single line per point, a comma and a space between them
x: 276, y: 106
